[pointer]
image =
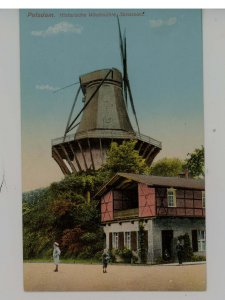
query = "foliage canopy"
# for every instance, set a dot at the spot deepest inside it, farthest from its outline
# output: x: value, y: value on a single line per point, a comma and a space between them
x: 195, y: 163
x: 167, y: 167
x: 124, y: 158
x: 62, y: 213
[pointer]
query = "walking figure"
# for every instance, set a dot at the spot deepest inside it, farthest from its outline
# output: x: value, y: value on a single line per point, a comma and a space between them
x: 179, y: 249
x: 105, y: 260
x: 56, y: 254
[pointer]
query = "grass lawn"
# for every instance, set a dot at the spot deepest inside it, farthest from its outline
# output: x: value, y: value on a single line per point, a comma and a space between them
x: 63, y: 260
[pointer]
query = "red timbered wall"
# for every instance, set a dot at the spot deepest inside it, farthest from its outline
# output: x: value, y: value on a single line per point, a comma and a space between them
x: 107, y: 207
x: 188, y: 203
x: 153, y: 202
x: 146, y: 199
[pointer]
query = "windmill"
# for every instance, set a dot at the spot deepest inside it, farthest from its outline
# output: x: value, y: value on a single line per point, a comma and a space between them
x: 103, y: 119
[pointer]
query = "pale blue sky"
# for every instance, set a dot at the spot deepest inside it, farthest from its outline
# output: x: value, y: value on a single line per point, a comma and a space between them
x: 164, y: 66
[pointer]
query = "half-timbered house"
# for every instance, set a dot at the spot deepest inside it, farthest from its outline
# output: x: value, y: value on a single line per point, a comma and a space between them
x: 167, y: 207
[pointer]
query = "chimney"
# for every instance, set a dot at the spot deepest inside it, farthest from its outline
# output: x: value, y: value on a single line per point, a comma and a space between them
x: 184, y: 174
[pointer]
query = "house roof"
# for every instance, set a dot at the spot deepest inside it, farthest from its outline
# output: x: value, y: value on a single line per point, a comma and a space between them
x: 176, y: 182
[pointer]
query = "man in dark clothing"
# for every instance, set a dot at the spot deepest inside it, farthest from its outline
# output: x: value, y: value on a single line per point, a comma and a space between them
x: 179, y: 249
x: 105, y: 260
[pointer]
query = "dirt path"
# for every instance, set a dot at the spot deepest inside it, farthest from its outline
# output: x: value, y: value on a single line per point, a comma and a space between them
x: 81, y: 277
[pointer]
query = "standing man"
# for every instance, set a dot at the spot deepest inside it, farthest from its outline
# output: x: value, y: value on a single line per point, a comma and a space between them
x: 105, y: 260
x: 56, y: 254
x: 179, y: 249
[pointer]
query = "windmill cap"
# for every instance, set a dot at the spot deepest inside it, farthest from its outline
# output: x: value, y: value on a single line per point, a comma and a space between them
x: 99, y: 75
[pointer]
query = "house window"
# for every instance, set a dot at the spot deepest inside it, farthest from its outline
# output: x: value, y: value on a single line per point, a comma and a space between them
x: 115, y: 240
x: 171, y: 197
x: 127, y: 240
x: 201, y: 240
x: 203, y: 199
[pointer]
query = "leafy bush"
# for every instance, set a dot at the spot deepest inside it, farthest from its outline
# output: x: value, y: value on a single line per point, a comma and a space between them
x: 98, y: 255
x: 198, y: 258
x: 112, y: 255
x: 87, y: 252
x: 125, y: 254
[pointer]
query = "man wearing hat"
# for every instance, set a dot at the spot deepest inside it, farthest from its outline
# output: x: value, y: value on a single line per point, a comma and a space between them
x: 56, y: 254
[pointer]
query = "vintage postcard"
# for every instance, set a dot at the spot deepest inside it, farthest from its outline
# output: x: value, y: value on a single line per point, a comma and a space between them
x: 113, y: 150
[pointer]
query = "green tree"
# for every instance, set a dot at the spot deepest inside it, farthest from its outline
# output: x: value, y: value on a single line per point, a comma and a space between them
x: 77, y: 185
x: 37, y: 223
x: 124, y: 158
x: 62, y: 213
x: 75, y: 217
x: 195, y: 163
x: 167, y: 167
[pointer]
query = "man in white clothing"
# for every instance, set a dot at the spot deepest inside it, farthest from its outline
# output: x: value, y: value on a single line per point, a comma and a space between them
x: 56, y: 254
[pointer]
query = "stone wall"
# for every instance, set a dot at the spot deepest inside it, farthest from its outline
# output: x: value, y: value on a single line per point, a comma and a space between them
x: 154, y: 226
x: 179, y: 226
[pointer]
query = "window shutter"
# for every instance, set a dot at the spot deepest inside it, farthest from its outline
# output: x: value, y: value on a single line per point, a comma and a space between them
x: 121, y: 241
x: 110, y: 241
x: 194, y: 241
x: 133, y: 240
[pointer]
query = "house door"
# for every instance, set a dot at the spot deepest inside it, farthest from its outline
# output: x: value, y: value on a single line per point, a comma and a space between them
x: 167, y: 242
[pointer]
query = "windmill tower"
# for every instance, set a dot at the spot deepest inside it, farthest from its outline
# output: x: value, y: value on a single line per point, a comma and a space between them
x: 103, y: 119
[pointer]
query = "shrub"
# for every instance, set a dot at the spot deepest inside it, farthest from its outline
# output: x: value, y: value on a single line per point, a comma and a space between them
x: 198, y: 258
x: 125, y: 254
x: 98, y: 256
x: 86, y: 253
x: 112, y: 255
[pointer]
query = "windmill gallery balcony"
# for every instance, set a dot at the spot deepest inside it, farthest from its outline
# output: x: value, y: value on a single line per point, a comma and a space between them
x: 87, y: 150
